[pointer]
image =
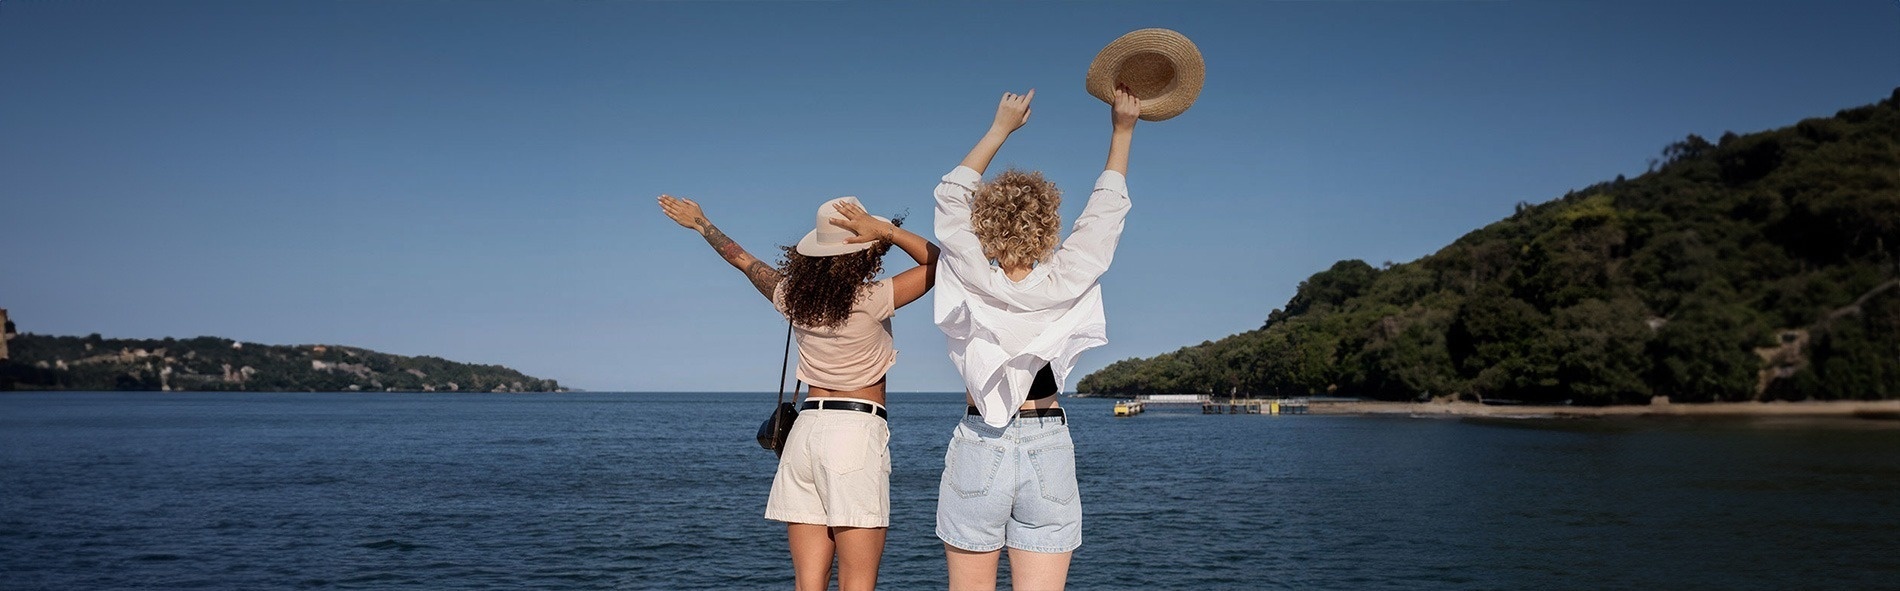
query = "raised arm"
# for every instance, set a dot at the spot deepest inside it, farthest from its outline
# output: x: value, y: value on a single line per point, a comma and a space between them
x: 1127, y: 110
x: 1011, y: 113
x: 1090, y: 247
x: 688, y: 215
x: 911, y: 284
x: 962, y: 251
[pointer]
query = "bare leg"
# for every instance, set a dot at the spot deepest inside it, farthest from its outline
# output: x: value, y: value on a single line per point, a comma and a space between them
x: 811, y: 555
x: 972, y: 571
x: 1038, y: 571
x: 859, y: 551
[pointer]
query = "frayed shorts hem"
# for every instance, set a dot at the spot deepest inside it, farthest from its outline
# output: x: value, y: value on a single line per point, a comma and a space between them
x: 868, y: 521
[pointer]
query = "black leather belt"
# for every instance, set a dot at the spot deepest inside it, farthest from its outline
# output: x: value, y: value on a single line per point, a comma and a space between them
x: 845, y: 405
x: 1035, y: 413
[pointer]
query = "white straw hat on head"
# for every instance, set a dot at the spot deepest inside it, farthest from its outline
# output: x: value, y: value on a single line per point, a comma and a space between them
x: 828, y: 240
x: 1162, y: 67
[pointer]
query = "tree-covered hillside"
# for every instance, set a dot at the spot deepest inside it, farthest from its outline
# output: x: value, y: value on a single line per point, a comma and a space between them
x: 1761, y: 266
x: 208, y: 363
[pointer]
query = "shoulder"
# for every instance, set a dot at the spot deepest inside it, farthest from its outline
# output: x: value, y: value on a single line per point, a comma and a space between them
x: 879, y: 298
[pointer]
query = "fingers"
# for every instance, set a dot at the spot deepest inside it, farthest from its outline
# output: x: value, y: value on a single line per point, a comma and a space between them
x: 1126, y: 103
x: 858, y: 235
x: 671, y: 204
x: 849, y: 210
x: 681, y: 211
x: 1029, y: 97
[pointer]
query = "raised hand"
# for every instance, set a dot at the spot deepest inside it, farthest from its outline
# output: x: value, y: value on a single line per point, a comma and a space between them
x: 687, y: 214
x: 1127, y: 109
x: 863, y: 227
x: 1013, y: 111
x: 684, y: 212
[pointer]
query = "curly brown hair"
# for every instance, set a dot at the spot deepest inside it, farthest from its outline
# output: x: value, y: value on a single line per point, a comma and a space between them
x: 1015, y: 217
x: 819, y: 291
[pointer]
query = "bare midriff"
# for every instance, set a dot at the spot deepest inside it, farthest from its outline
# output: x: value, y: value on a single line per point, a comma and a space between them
x: 1049, y: 402
x: 873, y: 392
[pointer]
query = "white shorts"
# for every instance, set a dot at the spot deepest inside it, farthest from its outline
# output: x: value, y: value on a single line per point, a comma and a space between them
x: 836, y: 471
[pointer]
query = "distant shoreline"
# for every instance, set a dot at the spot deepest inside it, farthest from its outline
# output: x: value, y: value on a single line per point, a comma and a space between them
x: 1878, y: 409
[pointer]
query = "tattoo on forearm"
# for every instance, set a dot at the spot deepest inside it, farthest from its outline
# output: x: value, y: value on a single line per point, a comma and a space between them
x: 725, y: 246
x: 764, y: 277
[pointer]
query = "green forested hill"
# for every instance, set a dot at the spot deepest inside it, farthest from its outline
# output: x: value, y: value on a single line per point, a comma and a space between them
x: 1759, y: 266
x: 207, y: 363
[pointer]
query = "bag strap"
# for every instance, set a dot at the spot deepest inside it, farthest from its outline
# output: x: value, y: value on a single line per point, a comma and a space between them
x: 785, y: 363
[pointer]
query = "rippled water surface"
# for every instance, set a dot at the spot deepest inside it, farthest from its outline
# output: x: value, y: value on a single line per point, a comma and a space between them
x: 665, y: 491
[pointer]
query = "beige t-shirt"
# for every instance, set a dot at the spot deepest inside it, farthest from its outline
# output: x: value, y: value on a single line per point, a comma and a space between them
x: 855, y: 354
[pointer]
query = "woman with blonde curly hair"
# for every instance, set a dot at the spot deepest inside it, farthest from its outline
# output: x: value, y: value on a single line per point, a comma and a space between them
x: 833, y: 487
x: 1018, y: 310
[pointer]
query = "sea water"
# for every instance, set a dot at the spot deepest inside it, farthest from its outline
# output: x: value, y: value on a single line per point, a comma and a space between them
x: 147, y: 490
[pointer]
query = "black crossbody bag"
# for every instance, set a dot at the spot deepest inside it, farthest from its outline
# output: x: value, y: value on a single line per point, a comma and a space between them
x: 778, y: 427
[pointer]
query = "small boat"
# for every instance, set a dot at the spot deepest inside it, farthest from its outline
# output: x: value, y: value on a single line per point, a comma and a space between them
x: 1127, y: 408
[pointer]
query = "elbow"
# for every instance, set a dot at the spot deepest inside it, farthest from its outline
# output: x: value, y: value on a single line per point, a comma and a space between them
x: 931, y: 254
x: 929, y: 264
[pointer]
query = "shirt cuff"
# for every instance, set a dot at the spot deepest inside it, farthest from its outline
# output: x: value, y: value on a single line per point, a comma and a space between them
x: 964, y: 176
x: 1110, y: 180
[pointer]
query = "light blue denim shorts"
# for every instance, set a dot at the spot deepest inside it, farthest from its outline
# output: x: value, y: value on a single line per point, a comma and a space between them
x: 1013, y: 486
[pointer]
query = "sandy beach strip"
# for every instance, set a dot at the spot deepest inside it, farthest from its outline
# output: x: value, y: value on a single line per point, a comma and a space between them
x: 1880, y: 409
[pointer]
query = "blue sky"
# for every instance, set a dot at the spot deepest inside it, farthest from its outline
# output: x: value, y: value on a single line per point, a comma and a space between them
x: 475, y: 180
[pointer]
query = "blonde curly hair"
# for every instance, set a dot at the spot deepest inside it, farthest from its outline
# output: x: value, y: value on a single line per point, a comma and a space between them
x: 1015, y: 217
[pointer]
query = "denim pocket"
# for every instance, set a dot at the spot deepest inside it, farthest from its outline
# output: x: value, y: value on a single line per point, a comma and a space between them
x: 1055, y: 472
x: 970, y: 466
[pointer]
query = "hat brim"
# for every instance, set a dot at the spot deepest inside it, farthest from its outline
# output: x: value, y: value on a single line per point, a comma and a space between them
x: 1162, y: 66
x: 811, y: 247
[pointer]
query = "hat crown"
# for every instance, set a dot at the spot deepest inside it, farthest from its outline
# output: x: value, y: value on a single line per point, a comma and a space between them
x: 827, y: 239
x: 830, y: 234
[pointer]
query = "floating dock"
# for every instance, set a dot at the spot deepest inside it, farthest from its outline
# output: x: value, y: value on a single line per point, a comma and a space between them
x: 1255, y: 406
x: 1210, y: 406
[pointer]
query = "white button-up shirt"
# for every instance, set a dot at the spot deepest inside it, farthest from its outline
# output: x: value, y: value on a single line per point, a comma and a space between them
x: 1002, y: 332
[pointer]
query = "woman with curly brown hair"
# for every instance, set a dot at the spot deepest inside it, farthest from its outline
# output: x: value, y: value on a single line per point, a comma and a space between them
x: 833, y: 484
x: 1018, y: 310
